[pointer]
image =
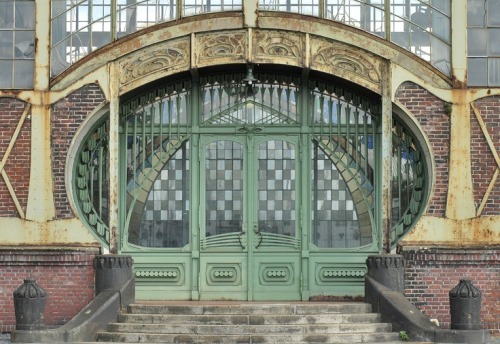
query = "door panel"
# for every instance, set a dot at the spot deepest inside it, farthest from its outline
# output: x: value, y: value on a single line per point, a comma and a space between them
x: 249, y: 215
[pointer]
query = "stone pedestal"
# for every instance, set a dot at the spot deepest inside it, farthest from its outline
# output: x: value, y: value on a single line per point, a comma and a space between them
x: 465, y: 306
x: 114, y: 272
x: 387, y: 270
x: 29, y: 305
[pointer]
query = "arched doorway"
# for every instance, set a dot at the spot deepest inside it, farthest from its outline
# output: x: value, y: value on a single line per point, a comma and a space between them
x: 250, y: 186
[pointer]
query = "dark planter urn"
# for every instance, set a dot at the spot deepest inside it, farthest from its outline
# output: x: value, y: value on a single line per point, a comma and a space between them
x: 465, y: 306
x: 29, y: 304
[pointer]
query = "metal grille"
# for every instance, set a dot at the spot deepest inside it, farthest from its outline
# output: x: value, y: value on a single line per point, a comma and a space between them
x: 343, y: 167
x: 156, y: 135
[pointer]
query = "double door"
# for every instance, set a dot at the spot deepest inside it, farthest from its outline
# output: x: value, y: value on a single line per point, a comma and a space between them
x: 249, y: 233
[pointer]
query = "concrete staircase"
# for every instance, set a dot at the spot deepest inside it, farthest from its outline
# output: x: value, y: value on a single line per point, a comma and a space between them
x: 234, y: 322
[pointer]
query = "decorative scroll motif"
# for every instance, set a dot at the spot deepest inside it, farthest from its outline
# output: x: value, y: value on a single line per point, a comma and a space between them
x: 271, y: 274
x: 229, y: 46
x: 92, y: 158
x: 274, y: 240
x: 269, y: 45
x: 223, y: 274
x: 235, y: 239
x: 337, y: 57
x: 169, y: 57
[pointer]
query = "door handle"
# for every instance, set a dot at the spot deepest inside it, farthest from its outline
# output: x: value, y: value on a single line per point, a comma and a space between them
x: 256, y: 230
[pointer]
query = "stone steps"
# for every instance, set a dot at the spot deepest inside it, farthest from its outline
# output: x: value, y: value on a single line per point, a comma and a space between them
x: 250, y: 323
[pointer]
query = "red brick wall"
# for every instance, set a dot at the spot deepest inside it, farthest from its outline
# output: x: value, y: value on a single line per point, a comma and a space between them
x: 430, y: 273
x: 67, y: 116
x: 483, y: 162
x: 17, y: 166
x: 429, y: 111
x: 66, y: 275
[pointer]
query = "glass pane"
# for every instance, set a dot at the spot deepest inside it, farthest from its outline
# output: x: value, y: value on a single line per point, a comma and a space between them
x: 493, y: 11
x: 25, y: 44
x: 6, y: 14
x: 192, y: 7
x: 476, y: 13
x: 23, y: 73
x: 443, y: 6
x: 441, y: 55
x: 224, y: 187
x: 494, y: 71
x: 309, y: 7
x: 477, y: 42
x: 165, y: 219
x: 441, y: 26
x: 276, y: 179
x: 6, y: 74
x: 6, y: 44
x: 25, y: 15
x: 477, y: 71
x: 493, y: 42
x: 335, y: 221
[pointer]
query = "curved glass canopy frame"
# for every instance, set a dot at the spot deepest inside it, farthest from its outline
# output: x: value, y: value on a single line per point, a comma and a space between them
x: 79, y: 27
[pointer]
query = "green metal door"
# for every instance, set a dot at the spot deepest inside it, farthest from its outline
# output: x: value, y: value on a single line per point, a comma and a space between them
x: 249, y: 241
x: 232, y: 190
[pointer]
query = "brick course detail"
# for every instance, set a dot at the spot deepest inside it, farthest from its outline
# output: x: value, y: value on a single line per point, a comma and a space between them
x: 67, y: 116
x: 430, y: 112
x: 430, y: 273
x: 17, y: 166
x: 66, y: 275
x: 482, y: 160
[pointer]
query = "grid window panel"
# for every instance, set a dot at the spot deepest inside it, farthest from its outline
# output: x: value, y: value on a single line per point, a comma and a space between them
x: 165, y: 217
x: 223, y: 187
x: 334, y: 217
x: 276, y: 192
x: 17, y: 43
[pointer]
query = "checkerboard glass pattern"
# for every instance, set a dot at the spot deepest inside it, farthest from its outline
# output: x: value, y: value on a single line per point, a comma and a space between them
x: 335, y: 222
x: 165, y: 218
x: 224, y: 187
x: 276, y: 187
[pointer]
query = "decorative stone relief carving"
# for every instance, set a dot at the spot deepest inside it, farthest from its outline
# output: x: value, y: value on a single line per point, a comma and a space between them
x: 165, y: 58
x: 346, y: 61
x: 272, y: 46
x: 227, y: 47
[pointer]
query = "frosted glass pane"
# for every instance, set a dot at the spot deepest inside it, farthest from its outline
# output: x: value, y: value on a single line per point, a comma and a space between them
x: 477, y: 42
x: 441, y: 26
x: 23, y: 74
x: 25, y: 15
x: 25, y: 45
x: 6, y: 15
x: 477, y: 74
x: 493, y: 11
x: 494, y: 71
x: 494, y: 42
x: 5, y: 74
x: 441, y: 55
x: 6, y: 43
x: 475, y: 13
x: 443, y: 6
